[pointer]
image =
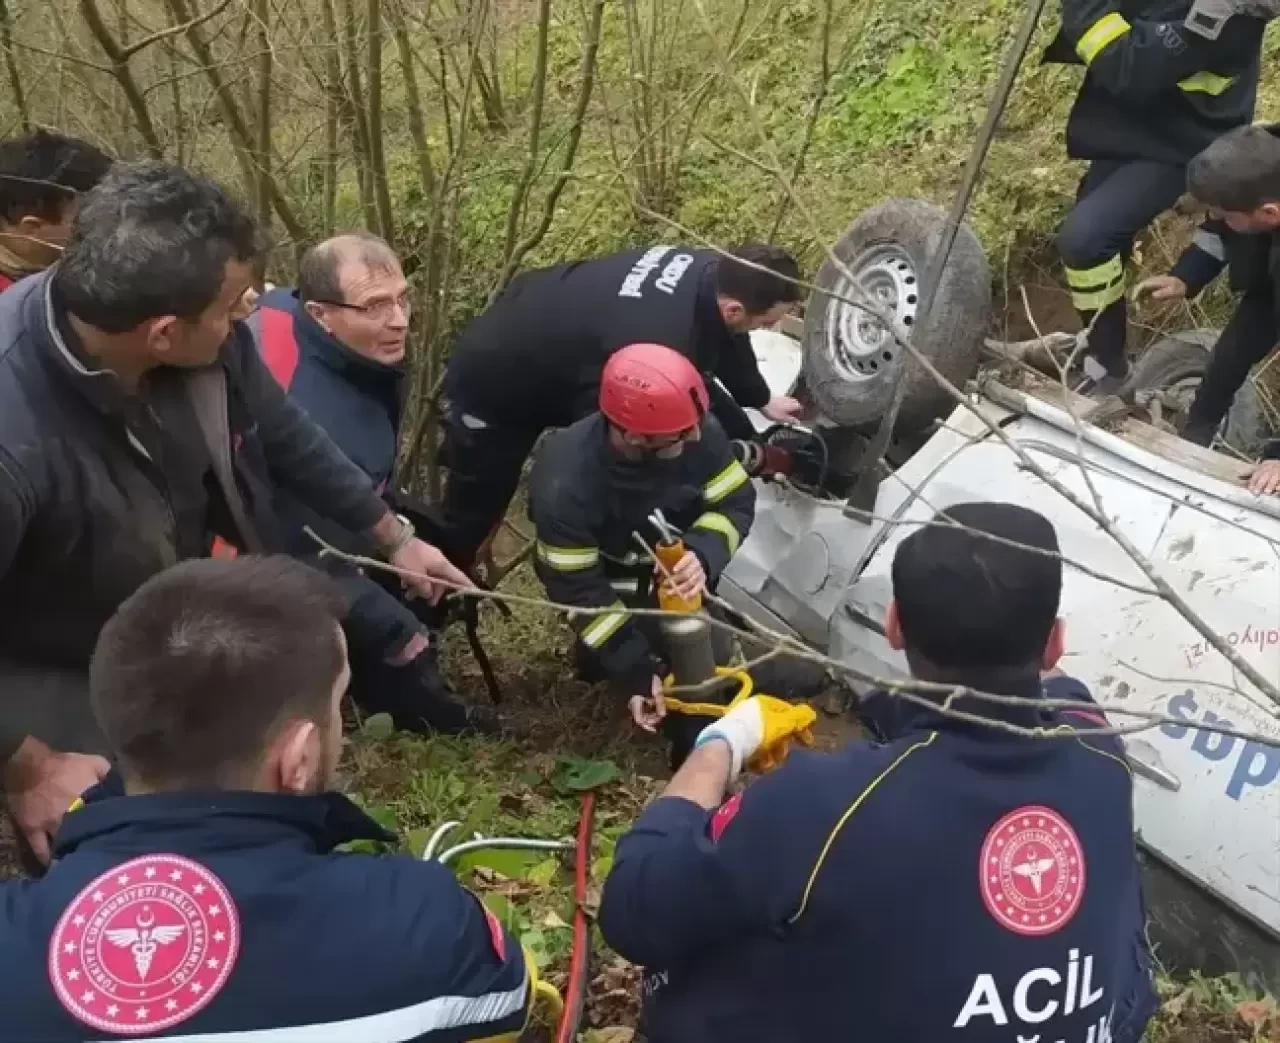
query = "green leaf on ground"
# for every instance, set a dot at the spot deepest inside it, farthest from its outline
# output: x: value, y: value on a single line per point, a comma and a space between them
x: 514, y: 864
x: 379, y: 726
x: 577, y: 774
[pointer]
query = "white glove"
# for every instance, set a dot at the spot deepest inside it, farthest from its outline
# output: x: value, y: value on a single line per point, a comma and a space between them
x: 761, y: 724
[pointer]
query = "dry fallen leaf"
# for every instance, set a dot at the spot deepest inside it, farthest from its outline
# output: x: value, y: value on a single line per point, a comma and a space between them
x: 1173, y: 1006
x: 1257, y: 1013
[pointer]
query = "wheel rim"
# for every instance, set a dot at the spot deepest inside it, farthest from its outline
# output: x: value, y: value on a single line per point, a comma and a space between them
x: 857, y: 343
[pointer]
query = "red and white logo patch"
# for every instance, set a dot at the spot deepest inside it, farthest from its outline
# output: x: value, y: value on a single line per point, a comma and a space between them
x: 145, y: 946
x: 1032, y: 871
x: 725, y: 814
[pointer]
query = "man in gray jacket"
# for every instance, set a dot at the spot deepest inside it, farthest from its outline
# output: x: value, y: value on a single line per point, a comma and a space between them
x: 138, y: 428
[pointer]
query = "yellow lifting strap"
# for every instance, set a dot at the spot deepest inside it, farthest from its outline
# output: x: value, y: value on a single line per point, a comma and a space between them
x: 745, y: 687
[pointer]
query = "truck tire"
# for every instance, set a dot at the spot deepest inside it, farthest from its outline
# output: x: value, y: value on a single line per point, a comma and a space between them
x: 1180, y: 358
x: 1178, y: 362
x: 851, y: 362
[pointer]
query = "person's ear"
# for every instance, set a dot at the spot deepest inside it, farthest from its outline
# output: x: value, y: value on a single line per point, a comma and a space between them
x: 31, y: 226
x: 893, y: 628
x: 1270, y: 213
x: 161, y: 334
x: 316, y: 311
x: 299, y: 756
x: 732, y: 311
x: 1055, y: 646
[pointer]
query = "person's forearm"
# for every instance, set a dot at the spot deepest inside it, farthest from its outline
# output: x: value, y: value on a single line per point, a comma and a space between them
x: 704, y: 776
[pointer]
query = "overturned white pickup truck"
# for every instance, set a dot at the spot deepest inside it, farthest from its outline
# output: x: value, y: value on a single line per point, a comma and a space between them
x: 1207, y: 807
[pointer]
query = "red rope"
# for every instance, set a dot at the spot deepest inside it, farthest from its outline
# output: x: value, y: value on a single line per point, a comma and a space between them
x: 575, y: 998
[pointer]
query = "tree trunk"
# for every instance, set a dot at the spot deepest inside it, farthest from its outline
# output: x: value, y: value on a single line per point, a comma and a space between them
x: 262, y: 12
x: 359, y: 114
x: 413, y: 106
x: 11, y: 67
x: 377, y: 157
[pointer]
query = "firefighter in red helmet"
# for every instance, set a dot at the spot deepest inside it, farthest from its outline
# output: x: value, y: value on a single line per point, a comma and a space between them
x: 596, y: 485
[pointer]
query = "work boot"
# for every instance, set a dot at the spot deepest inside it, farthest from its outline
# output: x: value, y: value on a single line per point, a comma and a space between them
x: 420, y: 700
x: 1097, y: 382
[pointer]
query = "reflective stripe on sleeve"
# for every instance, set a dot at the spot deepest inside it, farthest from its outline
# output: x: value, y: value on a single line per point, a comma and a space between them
x: 727, y: 481
x: 604, y: 626
x: 1104, y: 32
x: 568, y: 559
x: 717, y: 522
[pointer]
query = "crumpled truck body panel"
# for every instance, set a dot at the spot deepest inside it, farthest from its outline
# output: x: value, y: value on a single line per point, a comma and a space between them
x: 1207, y: 807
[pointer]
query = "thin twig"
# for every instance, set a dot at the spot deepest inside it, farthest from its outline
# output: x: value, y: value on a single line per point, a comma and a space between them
x: 788, y: 645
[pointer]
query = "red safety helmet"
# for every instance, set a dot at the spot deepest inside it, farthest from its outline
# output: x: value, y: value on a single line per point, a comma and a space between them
x: 648, y: 389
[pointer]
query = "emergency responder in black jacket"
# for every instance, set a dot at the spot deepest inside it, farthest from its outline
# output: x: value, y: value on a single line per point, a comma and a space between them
x: 1155, y: 93
x: 532, y: 361
x: 596, y: 484
x: 1238, y: 177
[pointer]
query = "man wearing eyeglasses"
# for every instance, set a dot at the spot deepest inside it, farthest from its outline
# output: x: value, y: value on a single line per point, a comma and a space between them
x: 336, y: 343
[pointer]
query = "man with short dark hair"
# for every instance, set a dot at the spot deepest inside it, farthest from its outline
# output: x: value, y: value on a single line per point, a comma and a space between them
x: 42, y: 175
x: 1238, y: 179
x: 138, y: 426
x: 793, y: 909
x: 199, y: 893
x: 337, y: 345
x: 532, y: 361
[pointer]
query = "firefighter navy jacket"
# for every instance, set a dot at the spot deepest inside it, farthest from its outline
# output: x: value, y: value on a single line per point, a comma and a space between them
x: 534, y: 357
x: 229, y: 916
x: 953, y: 883
x: 586, y: 500
x: 1154, y: 89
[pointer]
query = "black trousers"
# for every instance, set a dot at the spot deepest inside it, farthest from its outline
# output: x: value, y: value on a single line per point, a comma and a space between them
x: 1246, y: 341
x: 484, y: 459
x: 1116, y: 200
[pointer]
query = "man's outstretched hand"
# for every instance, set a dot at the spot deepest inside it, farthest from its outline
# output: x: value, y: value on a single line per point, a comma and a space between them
x: 648, y: 711
x: 1265, y: 478
x: 40, y: 785
x: 424, y: 560
x: 1161, y: 288
x: 782, y: 408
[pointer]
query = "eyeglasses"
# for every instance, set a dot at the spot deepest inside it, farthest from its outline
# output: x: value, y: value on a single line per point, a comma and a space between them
x: 380, y: 310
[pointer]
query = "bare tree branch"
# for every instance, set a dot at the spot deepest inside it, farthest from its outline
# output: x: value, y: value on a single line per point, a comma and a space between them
x: 585, y: 84
x: 909, y: 689
x: 241, y: 139
x: 520, y: 192
x: 174, y: 30
x: 119, y: 59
